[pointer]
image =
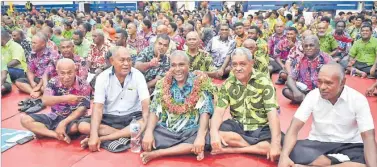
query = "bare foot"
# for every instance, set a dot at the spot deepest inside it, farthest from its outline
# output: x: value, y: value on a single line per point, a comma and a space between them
x: 67, y: 139
x: 148, y: 156
x: 37, y: 136
x: 222, y: 151
x: 84, y: 142
x: 363, y: 74
x: 200, y: 156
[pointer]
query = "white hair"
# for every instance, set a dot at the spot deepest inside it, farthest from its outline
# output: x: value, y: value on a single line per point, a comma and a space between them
x: 179, y: 53
x: 242, y: 51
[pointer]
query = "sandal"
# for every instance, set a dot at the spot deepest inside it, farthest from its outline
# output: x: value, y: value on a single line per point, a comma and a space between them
x: 114, y: 146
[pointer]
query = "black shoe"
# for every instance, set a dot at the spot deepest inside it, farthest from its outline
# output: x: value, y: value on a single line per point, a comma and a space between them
x: 39, y: 106
x: 23, y: 102
x: 25, y: 107
x: 27, y: 104
x: 280, y: 82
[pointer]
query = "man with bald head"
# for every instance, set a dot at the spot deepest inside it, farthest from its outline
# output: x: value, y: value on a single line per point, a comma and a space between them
x: 135, y: 40
x: 49, y: 32
x: 37, y: 73
x: 69, y: 98
x: 261, y: 60
x: 342, y: 130
x: 200, y: 60
x: 304, y: 75
x: 174, y: 130
x: 121, y: 95
x: 327, y: 42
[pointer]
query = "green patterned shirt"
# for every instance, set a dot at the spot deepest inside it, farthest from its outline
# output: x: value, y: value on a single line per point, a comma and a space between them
x: 249, y: 104
x: 327, y: 43
x: 261, y: 62
x: 202, y: 61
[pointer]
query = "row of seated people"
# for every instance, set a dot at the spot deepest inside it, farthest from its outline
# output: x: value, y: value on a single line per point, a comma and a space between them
x: 185, y: 103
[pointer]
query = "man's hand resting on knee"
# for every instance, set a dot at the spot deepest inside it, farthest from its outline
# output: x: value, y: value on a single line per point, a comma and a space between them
x: 148, y: 142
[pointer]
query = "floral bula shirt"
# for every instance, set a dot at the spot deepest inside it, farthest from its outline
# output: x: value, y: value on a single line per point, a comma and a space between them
x: 189, y: 120
x: 79, y: 88
x: 39, y: 62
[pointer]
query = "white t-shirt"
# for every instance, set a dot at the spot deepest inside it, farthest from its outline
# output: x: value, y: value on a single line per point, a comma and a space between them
x: 342, y: 122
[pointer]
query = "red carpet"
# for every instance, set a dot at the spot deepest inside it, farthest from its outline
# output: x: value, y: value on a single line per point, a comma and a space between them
x: 52, y: 153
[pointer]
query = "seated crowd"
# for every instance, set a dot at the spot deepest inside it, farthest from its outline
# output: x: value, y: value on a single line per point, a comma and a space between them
x: 158, y: 67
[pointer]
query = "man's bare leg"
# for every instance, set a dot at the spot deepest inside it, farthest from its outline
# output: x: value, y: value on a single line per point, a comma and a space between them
x: 233, y: 139
x: 84, y: 128
x: 24, y: 87
x: 236, y: 144
x: 180, y: 149
x: 260, y: 148
x: 38, y: 128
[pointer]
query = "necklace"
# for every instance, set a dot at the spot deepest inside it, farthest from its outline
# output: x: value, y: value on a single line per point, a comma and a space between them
x: 190, y: 101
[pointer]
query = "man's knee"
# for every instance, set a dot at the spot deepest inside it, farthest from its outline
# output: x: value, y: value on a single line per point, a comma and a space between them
x: 231, y: 137
x: 26, y: 120
x: 74, y: 128
x: 283, y: 75
x: 321, y: 161
x: 287, y: 93
x: 83, y: 127
x: 7, y: 88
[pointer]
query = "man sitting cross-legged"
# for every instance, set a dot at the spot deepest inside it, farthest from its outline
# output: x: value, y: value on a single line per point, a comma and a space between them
x: 69, y: 98
x: 254, y: 127
x: 304, y: 70
x: 342, y: 131
x: 180, y: 109
x: 121, y: 95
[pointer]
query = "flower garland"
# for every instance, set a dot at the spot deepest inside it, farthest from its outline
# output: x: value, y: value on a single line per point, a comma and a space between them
x: 189, y: 102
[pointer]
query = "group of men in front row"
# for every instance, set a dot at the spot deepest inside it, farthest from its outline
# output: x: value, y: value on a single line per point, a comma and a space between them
x: 185, y: 115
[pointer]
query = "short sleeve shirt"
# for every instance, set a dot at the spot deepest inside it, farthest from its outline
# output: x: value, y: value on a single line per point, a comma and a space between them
x: 327, y: 43
x: 13, y: 51
x: 117, y: 99
x: 180, y: 122
x: 342, y: 122
x: 83, y: 49
x: 306, y: 70
x: 56, y: 88
x: 364, y: 52
x: 202, y: 61
x: 81, y: 67
x: 39, y: 62
x: 249, y: 104
x: 97, y: 56
x: 146, y: 56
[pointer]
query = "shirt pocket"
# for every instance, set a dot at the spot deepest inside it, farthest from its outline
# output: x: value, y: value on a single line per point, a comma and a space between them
x: 130, y: 95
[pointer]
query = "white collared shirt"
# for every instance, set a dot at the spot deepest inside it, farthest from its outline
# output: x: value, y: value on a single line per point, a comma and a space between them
x: 120, y: 100
x: 342, y: 122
